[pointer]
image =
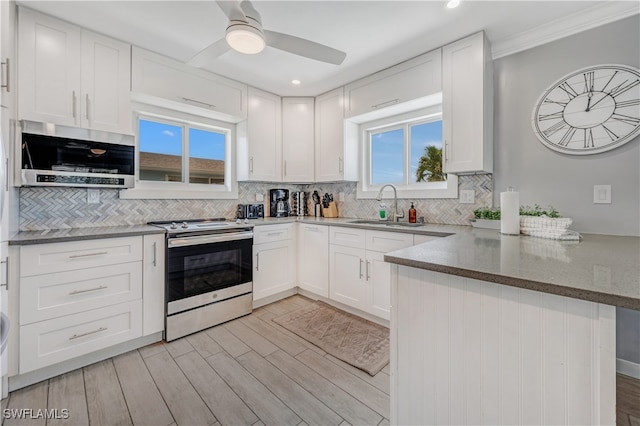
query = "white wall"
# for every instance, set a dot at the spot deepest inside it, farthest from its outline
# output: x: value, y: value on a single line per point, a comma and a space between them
x: 546, y: 177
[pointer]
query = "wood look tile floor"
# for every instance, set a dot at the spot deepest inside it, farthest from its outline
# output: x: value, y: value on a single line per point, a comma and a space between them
x: 249, y: 371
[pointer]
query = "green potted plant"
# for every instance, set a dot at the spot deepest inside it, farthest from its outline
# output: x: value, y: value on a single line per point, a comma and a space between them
x: 486, y: 217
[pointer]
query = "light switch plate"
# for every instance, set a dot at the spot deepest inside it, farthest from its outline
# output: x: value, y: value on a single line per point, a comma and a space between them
x: 601, y: 194
x: 467, y: 196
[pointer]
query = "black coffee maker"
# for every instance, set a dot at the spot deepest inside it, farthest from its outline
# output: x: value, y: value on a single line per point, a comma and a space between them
x: 279, y: 200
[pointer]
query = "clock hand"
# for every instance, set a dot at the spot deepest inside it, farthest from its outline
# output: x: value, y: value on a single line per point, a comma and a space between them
x: 599, y: 100
x: 590, y: 95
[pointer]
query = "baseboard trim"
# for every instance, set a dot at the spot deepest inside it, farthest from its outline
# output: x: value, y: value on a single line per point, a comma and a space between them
x: 628, y: 368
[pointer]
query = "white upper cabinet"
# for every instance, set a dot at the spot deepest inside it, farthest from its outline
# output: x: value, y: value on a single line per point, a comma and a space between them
x: 415, y: 78
x: 70, y: 76
x: 260, y: 139
x: 467, y: 105
x: 161, y: 77
x: 297, y: 139
x: 336, y: 159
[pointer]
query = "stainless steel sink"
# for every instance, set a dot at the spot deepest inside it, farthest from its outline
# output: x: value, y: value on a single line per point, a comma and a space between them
x: 384, y: 223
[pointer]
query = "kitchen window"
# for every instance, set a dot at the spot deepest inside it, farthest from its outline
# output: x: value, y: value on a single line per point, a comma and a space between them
x: 183, y: 156
x: 407, y: 152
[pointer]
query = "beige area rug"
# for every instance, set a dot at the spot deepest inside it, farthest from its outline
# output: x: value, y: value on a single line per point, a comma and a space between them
x: 354, y: 340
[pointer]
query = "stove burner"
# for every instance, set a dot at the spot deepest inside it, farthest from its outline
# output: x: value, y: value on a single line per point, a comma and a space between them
x: 174, y: 226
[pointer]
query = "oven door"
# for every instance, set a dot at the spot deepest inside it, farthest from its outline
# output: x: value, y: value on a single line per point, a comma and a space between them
x: 207, y: 268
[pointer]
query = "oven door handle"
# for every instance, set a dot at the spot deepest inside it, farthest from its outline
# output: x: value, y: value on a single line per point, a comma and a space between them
x: 206, y: 239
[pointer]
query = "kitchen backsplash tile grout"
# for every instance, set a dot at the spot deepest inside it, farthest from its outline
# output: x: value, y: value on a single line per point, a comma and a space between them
x: 60, y: 208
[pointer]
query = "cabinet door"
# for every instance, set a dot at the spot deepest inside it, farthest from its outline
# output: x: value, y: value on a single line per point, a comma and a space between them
x: 378, y: 274
x: 313, y: 260
x: 153, y: 284
x: 347, y: 276
x: 466, y: 106
x: 329, y: 141
x: 106, y: 70
x: 264, y: 136
x: 273, y: 268
x: 297, y: 139
x: 49, y: 67
x: 409, y: 80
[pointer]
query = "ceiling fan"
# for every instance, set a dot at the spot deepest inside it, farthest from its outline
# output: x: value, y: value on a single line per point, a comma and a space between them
x: 246, y: 35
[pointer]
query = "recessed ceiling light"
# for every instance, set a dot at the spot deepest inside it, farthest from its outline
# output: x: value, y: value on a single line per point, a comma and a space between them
x: 453, y: 4
x: 296, y: 82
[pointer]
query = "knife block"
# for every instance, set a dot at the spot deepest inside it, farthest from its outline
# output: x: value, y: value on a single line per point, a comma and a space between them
x: 331, y: 211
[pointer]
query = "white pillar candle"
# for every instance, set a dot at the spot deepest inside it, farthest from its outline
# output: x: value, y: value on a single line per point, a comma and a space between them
x: 510, y: 212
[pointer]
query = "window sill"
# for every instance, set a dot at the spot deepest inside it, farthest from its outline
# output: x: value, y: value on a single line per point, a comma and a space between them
x: 447, y: 189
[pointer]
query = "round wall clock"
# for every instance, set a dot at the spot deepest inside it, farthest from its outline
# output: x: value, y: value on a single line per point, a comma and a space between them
x: 590, y: 110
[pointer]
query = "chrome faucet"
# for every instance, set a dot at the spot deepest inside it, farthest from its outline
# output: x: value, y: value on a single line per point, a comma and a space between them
x: 396, y: 215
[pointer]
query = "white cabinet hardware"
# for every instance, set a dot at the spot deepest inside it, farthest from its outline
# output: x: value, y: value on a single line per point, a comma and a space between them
x: 102, y: 287
x: 7, y: 79
x: 88, y: 333
x: 77, y: 256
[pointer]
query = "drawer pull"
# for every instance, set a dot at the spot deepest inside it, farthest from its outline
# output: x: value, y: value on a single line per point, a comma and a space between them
x: 102, y: 287
x: 275, y: 233
x: 76, y: 256
x: 77, y: 336
x: 360, y: 274
x: 367, y: 270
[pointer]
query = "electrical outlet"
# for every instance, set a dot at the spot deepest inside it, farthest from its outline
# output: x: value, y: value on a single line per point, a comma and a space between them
x: 93, y: 196
x: 467, y: 196
x: 340, y: 196
x: 601, y: 194
x: 259, y: 197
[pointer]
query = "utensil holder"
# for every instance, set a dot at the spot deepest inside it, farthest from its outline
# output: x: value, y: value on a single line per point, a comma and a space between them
x: 331, y: 211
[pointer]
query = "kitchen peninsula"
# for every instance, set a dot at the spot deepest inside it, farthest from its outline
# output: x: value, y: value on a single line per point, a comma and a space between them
x: 493, y: 329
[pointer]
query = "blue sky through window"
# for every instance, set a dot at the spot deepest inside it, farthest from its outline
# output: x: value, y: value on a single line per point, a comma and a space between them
x: 162, y: 138
x: 387, y: 164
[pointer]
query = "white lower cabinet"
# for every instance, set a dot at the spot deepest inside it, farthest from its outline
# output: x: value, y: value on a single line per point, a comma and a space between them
x: 274, y: 259
x: 79, y: 297
x: 358, y: 275
x: 313, y: 259
x: 49, y: 342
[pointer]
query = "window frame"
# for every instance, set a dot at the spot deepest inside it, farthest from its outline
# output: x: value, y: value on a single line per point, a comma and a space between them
x: 416, y: 190
x: 184, y: 190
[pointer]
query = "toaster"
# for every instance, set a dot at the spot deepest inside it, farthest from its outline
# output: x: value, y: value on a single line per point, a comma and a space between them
x: 250, y: 211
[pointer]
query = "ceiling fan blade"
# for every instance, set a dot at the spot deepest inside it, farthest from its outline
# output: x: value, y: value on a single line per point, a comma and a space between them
x: 302, y: 47
x: 250, y: 11
x: 232, y: 9
x: 209, y: 53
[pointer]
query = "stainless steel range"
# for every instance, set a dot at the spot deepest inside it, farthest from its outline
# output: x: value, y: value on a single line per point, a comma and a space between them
x: 208, y: 273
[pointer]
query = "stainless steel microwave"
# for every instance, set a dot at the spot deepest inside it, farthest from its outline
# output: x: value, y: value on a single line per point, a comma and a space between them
x: 54, y: 155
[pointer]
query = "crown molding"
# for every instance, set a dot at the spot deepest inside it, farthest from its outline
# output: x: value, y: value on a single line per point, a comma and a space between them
x: 591, y: 17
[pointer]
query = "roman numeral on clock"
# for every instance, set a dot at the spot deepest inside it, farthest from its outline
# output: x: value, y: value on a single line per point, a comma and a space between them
x: 555, y: 115
x: 551, y: 101
x: 555, y: 128
x: 634, y: 121
x: 621, y: 88
x: 611, y: 135
x: 588, y: 138
x: 629, y: 103
x: 567, y: 136
x: 568, y: 90
x: 589, y: 81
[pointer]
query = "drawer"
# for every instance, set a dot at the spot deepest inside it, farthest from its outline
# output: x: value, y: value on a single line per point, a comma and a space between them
x: 271, y: 233
x: 44, y: 297
x: 348, y: 237
x: 388, y: 241
x: 41, y: 259
x: 50, y: 342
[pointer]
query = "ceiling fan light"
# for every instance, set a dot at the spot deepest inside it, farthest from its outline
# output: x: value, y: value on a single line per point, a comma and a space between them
x: 451, y: 4
x: 245, y: 39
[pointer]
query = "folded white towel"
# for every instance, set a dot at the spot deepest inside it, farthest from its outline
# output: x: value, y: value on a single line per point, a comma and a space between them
x: 545, y: 222
x: 553, y: 234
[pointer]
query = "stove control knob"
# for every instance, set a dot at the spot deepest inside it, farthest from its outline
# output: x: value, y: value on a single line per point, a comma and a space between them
x: 246, y: 221
x: 173, y: 225
x: 185, y: 225
x: 238, y: 221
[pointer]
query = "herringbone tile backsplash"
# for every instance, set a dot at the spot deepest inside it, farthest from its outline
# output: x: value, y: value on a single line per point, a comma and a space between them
x: 59, y: 208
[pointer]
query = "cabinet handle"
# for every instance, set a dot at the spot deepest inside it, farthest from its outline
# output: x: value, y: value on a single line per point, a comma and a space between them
x: 257, y: 261
x: 7, y: 85
x: 275, y: 233
x: 76, y: 256
x: 312, y: 228
x: 251, y: 165
x: 154, y: 256
x: 74, y: 292
x: 361, y: 262
x: 391, y: 102
x: 73, y: 103
x: 87, y: 106
x: 199, y: 102
x: 446, y: 149
x: 340, y: 165
x: 6, y: 181
x: 77, y: 336
x: 6, y: 267
x: 367, y: 270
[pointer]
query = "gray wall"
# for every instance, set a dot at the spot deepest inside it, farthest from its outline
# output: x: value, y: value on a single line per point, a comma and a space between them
x: 546, y: 177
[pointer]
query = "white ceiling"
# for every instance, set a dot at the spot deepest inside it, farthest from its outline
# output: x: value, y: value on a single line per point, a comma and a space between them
x: 374, y: 34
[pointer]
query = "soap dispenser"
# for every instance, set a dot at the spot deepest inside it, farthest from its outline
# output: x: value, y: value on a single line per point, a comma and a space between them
x: 412, y: 214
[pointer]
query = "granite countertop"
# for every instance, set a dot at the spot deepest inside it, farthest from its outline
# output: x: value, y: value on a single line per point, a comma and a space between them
x: 600, y: 268
x: 76, y: 234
